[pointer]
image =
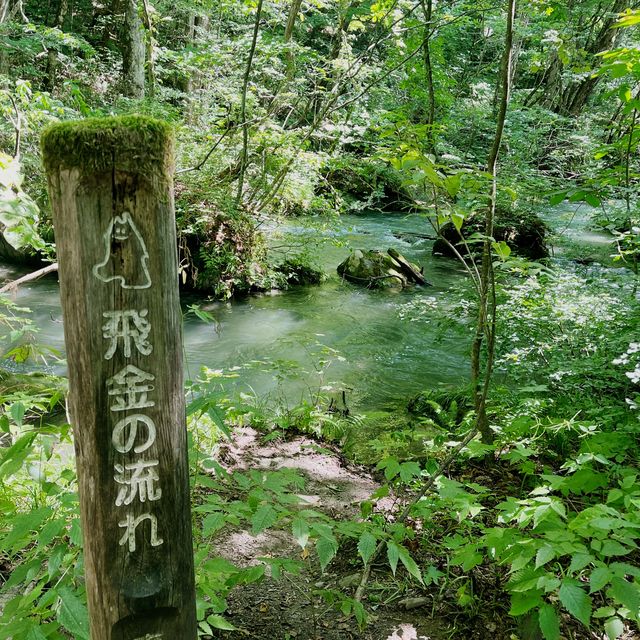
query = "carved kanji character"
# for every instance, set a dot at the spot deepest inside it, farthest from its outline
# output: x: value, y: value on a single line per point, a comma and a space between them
x: 137, y: 479
x: 129, y: 388
x: 129, y: 328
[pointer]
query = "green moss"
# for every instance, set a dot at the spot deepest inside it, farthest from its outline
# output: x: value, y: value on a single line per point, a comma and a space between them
x: 128, y: 143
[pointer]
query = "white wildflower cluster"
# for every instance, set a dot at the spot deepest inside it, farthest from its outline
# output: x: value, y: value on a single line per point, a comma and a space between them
x: 634, y: 347
x: 634, y: 375
x: 558, y: 375
x: 627, y: 359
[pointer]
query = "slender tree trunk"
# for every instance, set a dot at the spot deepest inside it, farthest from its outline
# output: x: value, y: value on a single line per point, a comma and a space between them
x: 149, y: 40
x: 10, y: 9
x: 52, y: 54
x: 133, y: 51
x: 288, y: 35
x: 486, y: 324
x: 244, y: 154
x: 427, y: 9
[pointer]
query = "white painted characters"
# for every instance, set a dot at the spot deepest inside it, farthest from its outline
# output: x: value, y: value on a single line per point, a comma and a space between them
x: 128, y: 328
x: 130, y: 388
x: 125, y: 255
x: 127, y: 333
x: 130, y: 525
x: 138, y: 480
x: 125, y: 433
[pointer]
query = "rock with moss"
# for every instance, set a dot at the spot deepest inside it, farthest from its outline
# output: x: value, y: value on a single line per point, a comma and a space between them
x: 524, y: 232
x: 222, y: 254
x: 364, y: 183
x: 376, y: 270
x: 298, y: 271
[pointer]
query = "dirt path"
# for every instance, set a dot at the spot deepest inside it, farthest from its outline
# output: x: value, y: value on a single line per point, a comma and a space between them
x: 289, y: 608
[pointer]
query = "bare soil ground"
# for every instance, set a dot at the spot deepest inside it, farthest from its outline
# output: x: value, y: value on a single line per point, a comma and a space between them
x: 289, y: 608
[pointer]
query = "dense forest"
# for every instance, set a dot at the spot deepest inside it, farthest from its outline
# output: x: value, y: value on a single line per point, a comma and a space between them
x: 408, y: 235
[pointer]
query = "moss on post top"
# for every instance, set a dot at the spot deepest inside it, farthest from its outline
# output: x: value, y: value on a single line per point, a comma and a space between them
x: 127, y: 143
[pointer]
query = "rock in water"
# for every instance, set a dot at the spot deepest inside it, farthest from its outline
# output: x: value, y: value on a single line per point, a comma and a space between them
x: 374, y: 269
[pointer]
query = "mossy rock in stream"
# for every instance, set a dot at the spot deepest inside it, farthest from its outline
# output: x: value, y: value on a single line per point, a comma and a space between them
x: 364, y: 184
x: 299, y: 271
x: 444, y: 408
x: 221, y: 252
x: 376, y: 270
x: 523, y: 231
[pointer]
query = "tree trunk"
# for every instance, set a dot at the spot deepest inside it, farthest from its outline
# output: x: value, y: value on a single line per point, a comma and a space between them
x: 427, y: 9
x: 111, y: 190
x: 52, y: 55
x: 133, y: 52
x: 244, y: 154
x: 577, y: 95
x: 10, y: 10
x: 486, y: 323
x: 294, y: 10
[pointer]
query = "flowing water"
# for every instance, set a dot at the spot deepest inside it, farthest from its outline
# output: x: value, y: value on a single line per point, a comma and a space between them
x: 379, y: 346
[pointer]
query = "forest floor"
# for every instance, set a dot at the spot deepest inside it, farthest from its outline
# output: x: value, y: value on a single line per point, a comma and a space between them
x: 290, y: 608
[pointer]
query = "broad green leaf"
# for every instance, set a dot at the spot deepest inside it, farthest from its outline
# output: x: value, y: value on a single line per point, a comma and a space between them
x: 592, y: 199
x: 326, y: 549
x: 218, y: 622
x: 391, y: 467
x: 35, y: 634
x: 557, y: 198
x: 12, y: 459
x: 17, y: 411
x: 72, y: 615
x: 409, y: 471
x: 217, y: 416
x: 549, y: 622
x: 580, y: 561
x: 523, y: 602
x: 544, y: 554
x: 25, y: 525
x: 613, y: 548
x: 452, y: 184
x: 614, y: 628
x: 360, y: 613
x: 212, y: 523
x: 263, y: 518
x: 300, y: 530
x: 599, y: 578
x: 502, y: 249
x: 627, y: 593
x: 575, y: 601
x: 409, y: 563
x: 393, y: 555
x: 366, y: 546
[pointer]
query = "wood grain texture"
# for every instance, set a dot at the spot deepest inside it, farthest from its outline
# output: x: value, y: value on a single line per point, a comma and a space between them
x: 138, y: 587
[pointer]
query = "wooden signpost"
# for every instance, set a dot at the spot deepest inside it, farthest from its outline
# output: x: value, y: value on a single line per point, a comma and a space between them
x: 111, y: 189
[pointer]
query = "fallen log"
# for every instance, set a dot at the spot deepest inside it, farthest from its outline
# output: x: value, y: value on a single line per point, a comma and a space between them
x: 407, y: 268
x: 34, y: 275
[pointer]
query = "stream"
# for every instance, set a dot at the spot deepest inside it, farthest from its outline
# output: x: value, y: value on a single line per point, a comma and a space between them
x: 380, y: 347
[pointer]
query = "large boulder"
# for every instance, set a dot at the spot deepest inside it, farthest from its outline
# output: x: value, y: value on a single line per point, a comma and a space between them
x: 524, y: 232
x: 364, y: 184
x: 375, y: 270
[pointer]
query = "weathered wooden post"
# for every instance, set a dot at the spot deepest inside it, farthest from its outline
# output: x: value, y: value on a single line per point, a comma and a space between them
x: 111, y: 189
